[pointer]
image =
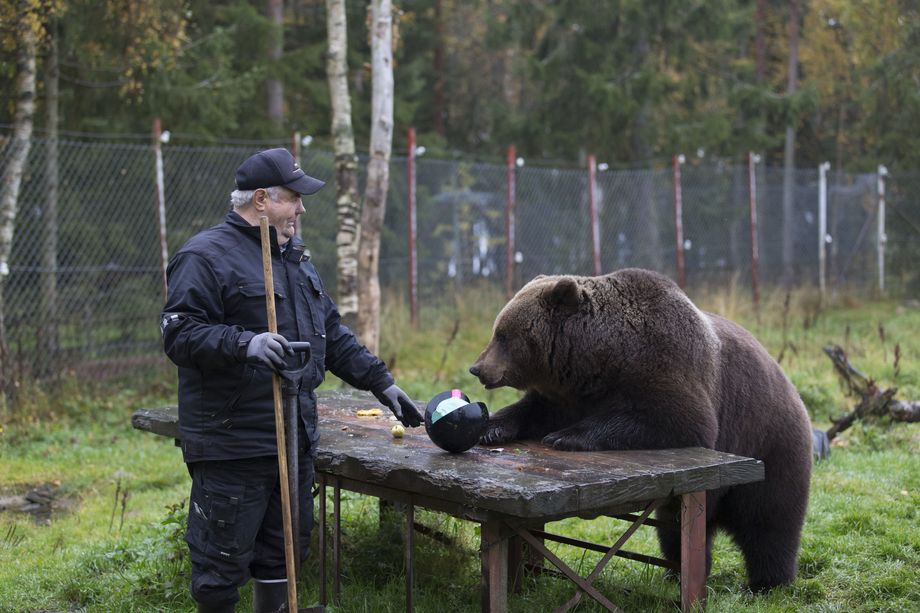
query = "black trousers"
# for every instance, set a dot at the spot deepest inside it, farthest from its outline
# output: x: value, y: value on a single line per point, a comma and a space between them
x: 235, y: 528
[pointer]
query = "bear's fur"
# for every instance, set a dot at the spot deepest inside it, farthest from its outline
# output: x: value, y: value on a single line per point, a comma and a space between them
x: 626, y: 361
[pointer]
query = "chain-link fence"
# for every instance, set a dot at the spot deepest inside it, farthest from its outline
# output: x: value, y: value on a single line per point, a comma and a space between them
x: 84, y: 287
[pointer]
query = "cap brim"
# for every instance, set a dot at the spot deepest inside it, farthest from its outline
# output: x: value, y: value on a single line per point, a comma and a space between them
x: 305, y: 185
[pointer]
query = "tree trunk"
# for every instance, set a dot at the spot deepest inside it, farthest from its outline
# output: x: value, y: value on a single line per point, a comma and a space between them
x: 346, y: 163
x: 12, y: 176
x: 760, y: 46
x: 274, y: 88
x: 647, y: 219
x: 48, y: 339
x: 440, y: 111
x: 789, y: 150
x: 378, y: 170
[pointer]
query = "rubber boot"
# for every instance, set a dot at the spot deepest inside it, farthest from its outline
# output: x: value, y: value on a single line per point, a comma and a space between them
x: 269, y: 596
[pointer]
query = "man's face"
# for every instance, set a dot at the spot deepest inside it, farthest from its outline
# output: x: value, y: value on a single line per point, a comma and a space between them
x: 282, y: 212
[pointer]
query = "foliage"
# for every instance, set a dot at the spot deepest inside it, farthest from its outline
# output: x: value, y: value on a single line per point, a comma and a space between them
x: 634, y: 82
x: 860, y: 548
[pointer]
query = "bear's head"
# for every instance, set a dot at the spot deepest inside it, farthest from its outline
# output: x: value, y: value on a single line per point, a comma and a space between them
x: 520, y: 353
x: 570, y: 336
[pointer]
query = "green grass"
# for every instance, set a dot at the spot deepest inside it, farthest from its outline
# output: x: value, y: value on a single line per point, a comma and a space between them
x: 98, y: 552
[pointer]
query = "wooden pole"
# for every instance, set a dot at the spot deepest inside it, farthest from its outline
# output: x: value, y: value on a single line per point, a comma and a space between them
x: 412, y: 230
x: 678, y: 219
x: 279, y: 421
x: 752, y: 209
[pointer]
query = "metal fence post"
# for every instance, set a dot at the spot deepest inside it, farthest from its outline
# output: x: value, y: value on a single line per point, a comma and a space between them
x: 161, y: 199
x: 882, y: 238
x: 509, y: 221
x: 412, y: 229
x: 822, y: 227
x: 676, y: 161
x: 595, y: 222
x: 752, y: 208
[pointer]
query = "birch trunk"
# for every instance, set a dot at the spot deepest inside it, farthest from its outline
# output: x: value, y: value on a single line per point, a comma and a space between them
x: 346, y: 163
x: 48, y: 342
x: 275, y: 89
x: 378, y: 172
x: 12, y: 177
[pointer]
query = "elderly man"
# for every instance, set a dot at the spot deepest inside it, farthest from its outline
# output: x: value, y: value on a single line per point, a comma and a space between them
x: 214, y: 328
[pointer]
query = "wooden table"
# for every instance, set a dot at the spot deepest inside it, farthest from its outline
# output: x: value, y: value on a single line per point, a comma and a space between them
x: 512, y: 492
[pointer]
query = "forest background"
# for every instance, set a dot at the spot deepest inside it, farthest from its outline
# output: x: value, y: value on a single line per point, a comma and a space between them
x: 631, y: 81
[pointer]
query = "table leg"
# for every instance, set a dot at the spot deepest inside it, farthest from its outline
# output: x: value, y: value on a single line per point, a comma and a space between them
x: 692, y: 550
x: 336, y: 542
x: 523, y: 560
x: 410, y: 532
x: 322, y: 539
x: 493, y: 554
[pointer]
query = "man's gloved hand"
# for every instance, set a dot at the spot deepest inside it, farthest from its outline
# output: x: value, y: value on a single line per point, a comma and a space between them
x: 402, y: 406
x: 268, y: 349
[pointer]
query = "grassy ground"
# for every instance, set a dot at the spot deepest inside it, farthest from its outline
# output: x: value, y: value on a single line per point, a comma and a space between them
x: 114, y: 542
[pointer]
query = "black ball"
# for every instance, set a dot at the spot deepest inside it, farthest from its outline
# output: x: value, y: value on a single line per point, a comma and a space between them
x: 458, y: 424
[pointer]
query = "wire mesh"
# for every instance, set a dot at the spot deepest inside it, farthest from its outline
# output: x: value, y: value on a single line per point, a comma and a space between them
x: 84, y: 286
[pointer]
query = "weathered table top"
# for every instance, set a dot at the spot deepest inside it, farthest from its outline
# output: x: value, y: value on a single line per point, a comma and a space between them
x: 524, y: 480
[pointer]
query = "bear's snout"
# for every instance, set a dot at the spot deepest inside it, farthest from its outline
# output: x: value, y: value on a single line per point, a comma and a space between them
x: 486, y: 376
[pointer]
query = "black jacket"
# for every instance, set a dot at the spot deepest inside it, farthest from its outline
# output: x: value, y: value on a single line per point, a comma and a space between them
x: 216, y: 303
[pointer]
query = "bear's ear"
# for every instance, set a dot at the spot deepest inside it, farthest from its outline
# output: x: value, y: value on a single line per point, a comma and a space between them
x: 563, y: 295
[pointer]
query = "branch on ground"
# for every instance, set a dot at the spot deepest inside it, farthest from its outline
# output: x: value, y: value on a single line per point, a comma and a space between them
x: 873, y: 401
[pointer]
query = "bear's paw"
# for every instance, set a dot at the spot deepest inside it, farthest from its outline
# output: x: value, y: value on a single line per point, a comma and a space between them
x: 499, y: 431
x: 571, y: 439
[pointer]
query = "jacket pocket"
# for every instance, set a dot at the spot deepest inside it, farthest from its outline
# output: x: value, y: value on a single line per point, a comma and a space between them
x: 313, y: 294
x: 247, y: 307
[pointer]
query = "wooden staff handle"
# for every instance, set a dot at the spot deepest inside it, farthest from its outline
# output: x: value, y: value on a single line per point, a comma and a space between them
x: 289, y: 564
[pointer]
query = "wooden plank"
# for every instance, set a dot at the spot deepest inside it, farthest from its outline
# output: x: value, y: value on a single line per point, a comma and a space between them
x: 163, y: 421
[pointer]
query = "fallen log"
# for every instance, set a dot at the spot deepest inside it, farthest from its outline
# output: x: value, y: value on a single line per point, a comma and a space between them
x: 873, y: 400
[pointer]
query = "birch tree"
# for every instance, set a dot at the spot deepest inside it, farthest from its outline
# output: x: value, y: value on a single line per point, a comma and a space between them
x: 27, y: 26
x: 346, y: 163
x: 274, y: 88
x: 375, y: 194
x: 48, y: 304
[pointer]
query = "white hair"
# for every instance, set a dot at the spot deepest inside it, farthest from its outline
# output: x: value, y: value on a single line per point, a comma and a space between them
x: 241, y: 197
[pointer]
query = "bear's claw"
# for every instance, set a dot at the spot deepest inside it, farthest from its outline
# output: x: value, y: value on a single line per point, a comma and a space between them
x: 498, y: 432
x: 569, y: 442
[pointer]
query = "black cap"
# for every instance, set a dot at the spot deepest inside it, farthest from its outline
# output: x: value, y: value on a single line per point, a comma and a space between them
x: 272, y: 168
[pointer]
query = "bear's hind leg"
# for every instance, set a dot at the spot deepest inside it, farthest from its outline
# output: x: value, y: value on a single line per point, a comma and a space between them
x: 769, y: 555
x: 765, y: 520
x: 767, y: 527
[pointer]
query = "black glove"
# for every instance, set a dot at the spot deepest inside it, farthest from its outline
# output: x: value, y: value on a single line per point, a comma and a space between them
x: 402, y: 406
x: 269, y: 350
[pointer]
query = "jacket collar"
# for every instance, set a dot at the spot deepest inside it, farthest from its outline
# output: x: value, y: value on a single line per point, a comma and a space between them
x: 295, y: 250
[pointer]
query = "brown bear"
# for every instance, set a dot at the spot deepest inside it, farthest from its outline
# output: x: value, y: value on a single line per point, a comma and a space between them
x: 627, y: 361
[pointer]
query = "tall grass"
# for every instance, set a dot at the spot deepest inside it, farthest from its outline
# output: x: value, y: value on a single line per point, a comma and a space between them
x: 114, y: 542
